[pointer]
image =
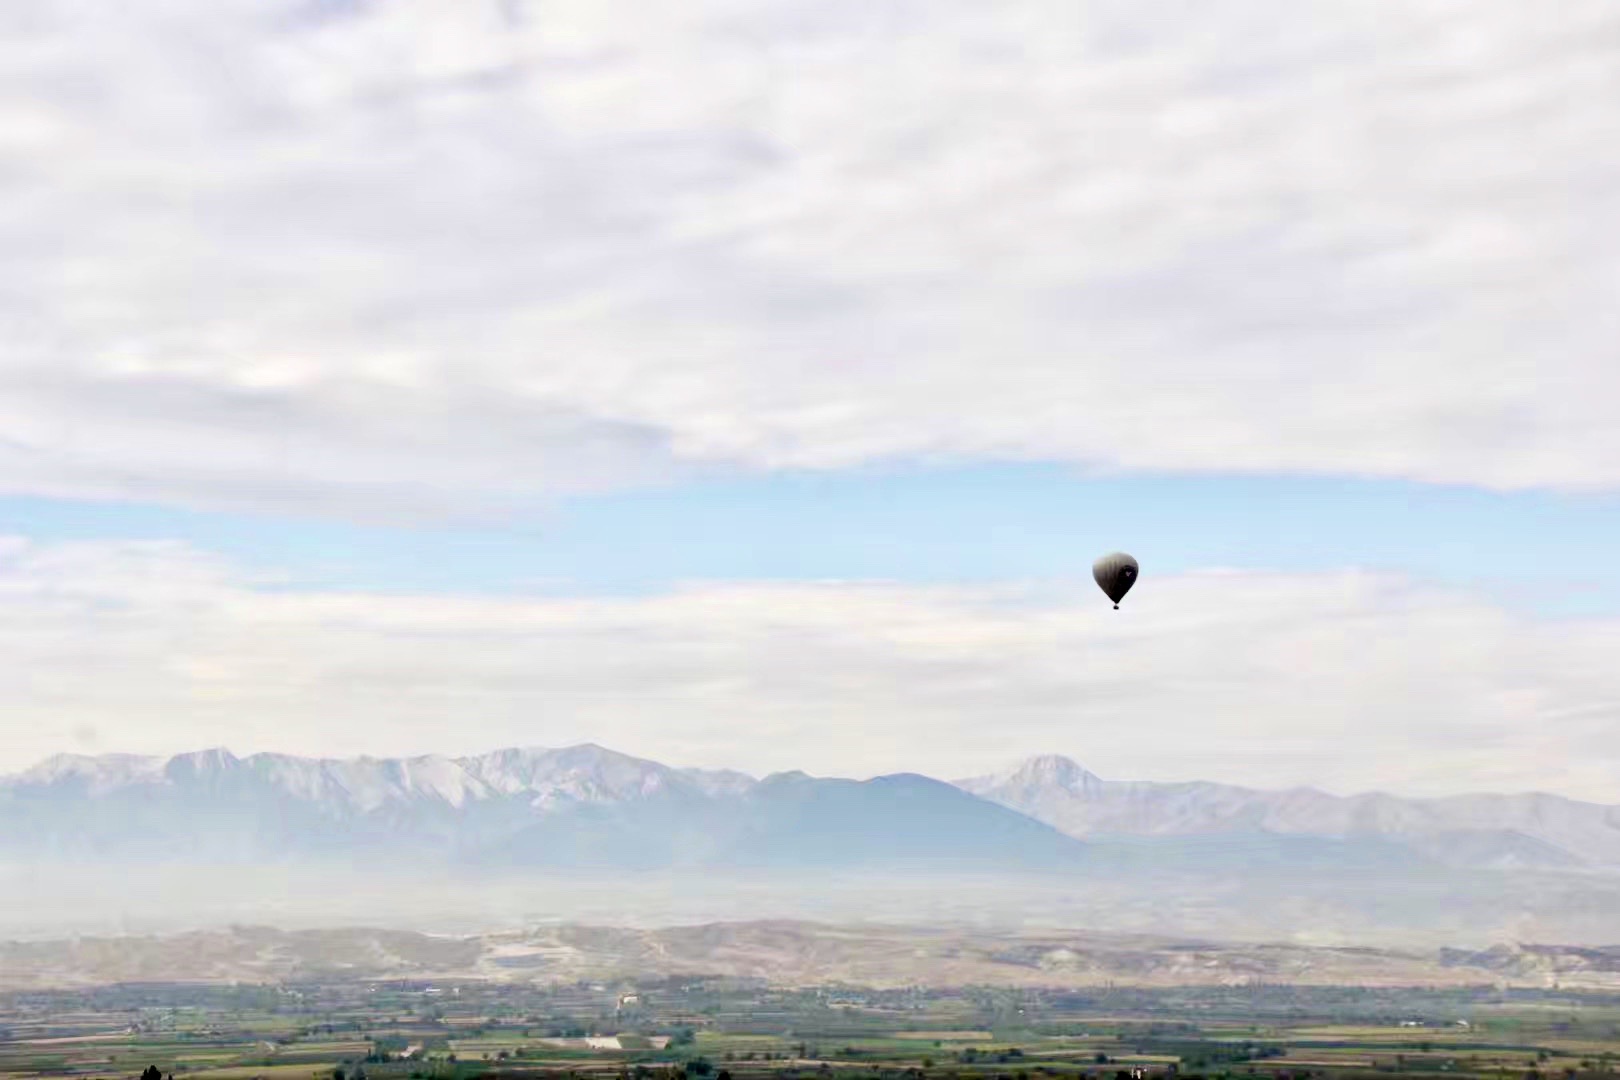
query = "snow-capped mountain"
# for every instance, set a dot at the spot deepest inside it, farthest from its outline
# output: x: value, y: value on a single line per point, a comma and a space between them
x: 342, y: 787
x: 96, y: 775
x: 577, y: 806
x: 586, y: 805
x: 1502, y: 831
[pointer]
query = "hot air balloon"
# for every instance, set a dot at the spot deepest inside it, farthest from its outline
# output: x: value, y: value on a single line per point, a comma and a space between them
x: 1115, y: 574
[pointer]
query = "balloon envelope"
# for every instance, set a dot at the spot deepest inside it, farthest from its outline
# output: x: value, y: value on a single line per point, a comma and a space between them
x: 1115, y: 574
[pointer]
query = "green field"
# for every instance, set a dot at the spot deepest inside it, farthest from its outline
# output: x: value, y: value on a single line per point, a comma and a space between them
x: 696, y: 1029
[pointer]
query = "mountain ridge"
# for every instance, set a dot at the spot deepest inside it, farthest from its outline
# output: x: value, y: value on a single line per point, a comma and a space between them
x: 1054, y: 762
x: 534, y: 803
x: 791, y: 952
x: 575, y: 807
x: 1503, y: 830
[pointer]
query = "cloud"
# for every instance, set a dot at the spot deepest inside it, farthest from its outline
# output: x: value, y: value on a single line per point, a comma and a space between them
x: 1348, y: 680
x: 424, y: 256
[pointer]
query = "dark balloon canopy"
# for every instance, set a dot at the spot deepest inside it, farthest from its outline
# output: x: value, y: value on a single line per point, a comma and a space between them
x: 1115, y: 574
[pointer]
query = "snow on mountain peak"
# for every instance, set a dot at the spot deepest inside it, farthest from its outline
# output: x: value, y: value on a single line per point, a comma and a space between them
x: 1042, y: 775
x: 213, y: 761
x: 440, y: 778
x: 101, y: 772
x: 542, y: 777
x: 1057, y: 770
x: 586, y: 773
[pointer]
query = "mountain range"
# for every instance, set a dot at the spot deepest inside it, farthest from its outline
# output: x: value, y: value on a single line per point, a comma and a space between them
x: 586, y: 806
x: 1491, y: 831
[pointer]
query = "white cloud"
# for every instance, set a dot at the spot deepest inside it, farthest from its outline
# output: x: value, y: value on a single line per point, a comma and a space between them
x: 426, y: 255
x: 1347, y: 680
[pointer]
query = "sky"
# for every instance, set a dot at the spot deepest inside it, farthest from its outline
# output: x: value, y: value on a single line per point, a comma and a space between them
x: 751, y: 384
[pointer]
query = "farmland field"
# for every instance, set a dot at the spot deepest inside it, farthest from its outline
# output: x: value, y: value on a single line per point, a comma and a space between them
x: 681, y: 1029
